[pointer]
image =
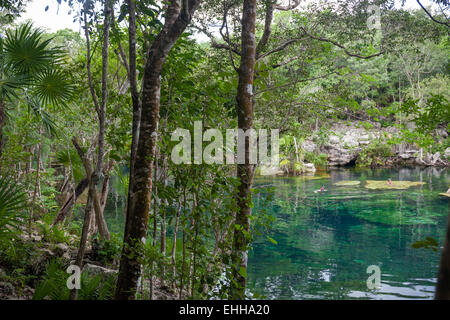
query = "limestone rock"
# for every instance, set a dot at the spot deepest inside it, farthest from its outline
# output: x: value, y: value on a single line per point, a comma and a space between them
x: 308, y: 146
x: 447, y: 153
x: 270, y: 171
x: 6, y: 289
x: 333, y: 139
x: 94, y: 270
x: 309, y: 167
x: 61, y: 249
x: 340, y: 156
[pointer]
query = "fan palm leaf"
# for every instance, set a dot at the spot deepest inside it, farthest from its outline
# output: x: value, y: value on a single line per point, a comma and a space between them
x: 30, y: 66
x: 10, y: 85
x: 35, y: 106
x: 26, y: 50
x: 12, y: 205
x: 52, y: 87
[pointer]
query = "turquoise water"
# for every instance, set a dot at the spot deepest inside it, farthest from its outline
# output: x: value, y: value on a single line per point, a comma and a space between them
x: 326, y: 241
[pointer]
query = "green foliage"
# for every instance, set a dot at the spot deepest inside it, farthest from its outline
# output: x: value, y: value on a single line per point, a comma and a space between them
x: 12, y: 207
x: 15, y: 254
x: 436, y: 111
x: 26, y: 52
x: 31, y: 71
x: 53, y: 285
x: 301, y: 90
x: 54, y: 234
x: 319, y: 160
x: 375, y: 153
x: 108, y: 251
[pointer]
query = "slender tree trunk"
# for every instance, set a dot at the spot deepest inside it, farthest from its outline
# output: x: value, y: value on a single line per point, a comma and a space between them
x: 134, y: 92
x: 244, y: 171
x: 83, y: 240
x: 94, y: 175
x: 443, y: 283
x: 176, y: 21
x: 174, y: 245
x: 2, y: 123
x: 37, y: 185
x: 70, y: 202
x: 183, y: 262
x: 93, y: 181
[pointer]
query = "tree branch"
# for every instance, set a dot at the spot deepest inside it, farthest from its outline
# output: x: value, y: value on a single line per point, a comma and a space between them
x: 431, y: 17
x: 340, y: 46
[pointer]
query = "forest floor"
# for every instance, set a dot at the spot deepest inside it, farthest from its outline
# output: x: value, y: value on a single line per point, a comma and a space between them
x: 24, y: 263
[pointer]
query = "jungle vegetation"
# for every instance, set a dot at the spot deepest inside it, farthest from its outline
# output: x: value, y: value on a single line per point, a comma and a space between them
x: 83, y: 115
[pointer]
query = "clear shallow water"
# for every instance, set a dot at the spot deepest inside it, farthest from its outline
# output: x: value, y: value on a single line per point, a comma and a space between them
x: 325, y: 242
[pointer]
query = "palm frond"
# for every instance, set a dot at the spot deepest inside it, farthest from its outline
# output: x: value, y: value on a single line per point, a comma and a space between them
x: 73, y: 160
x: 12, y: 205
x: 35, y: 106
x: 26, y: 50
x: 52, y: 86
x: 9, y: 86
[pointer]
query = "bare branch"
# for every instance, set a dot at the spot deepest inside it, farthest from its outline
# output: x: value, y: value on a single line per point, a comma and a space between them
x: 279, y: 48
x: 431, y: 17
x: 340, y: 46
x: 267, y: 27
x: 217, y: 45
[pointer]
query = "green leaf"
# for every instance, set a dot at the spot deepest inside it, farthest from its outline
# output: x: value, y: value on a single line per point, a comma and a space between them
x: 272, y: 240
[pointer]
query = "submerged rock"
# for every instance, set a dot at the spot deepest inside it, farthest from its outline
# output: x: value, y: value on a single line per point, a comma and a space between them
x: 316, y: 177
x: 347, y: 183
x: 377, y: 184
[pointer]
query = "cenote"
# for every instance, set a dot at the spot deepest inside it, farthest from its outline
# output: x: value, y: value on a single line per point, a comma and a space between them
x: 326, y: 241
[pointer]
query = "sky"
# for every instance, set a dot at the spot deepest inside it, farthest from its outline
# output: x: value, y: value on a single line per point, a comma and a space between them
x: 57, y: 17
x: 53, y: 19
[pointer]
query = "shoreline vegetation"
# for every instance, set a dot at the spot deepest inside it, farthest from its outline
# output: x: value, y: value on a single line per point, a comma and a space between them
x: 87, y: 120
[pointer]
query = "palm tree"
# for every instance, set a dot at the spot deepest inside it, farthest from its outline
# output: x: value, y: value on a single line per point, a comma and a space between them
x: 30, y: 71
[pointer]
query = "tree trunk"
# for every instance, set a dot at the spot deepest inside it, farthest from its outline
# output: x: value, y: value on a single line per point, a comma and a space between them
x: 134, y: 93
x: 84, y: 237
x: 93, y: 182
x: 443, y: 283
x: 2, y: 123
x: 176, y: 21
x: 70, y: 202
x: 174, y: 244
x: 244, y: 171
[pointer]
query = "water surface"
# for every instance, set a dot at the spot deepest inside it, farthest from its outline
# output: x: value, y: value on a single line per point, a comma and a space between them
x: 326, y: 241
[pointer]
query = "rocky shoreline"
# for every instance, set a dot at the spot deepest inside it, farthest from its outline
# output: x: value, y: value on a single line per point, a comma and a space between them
x: 348, y: 144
